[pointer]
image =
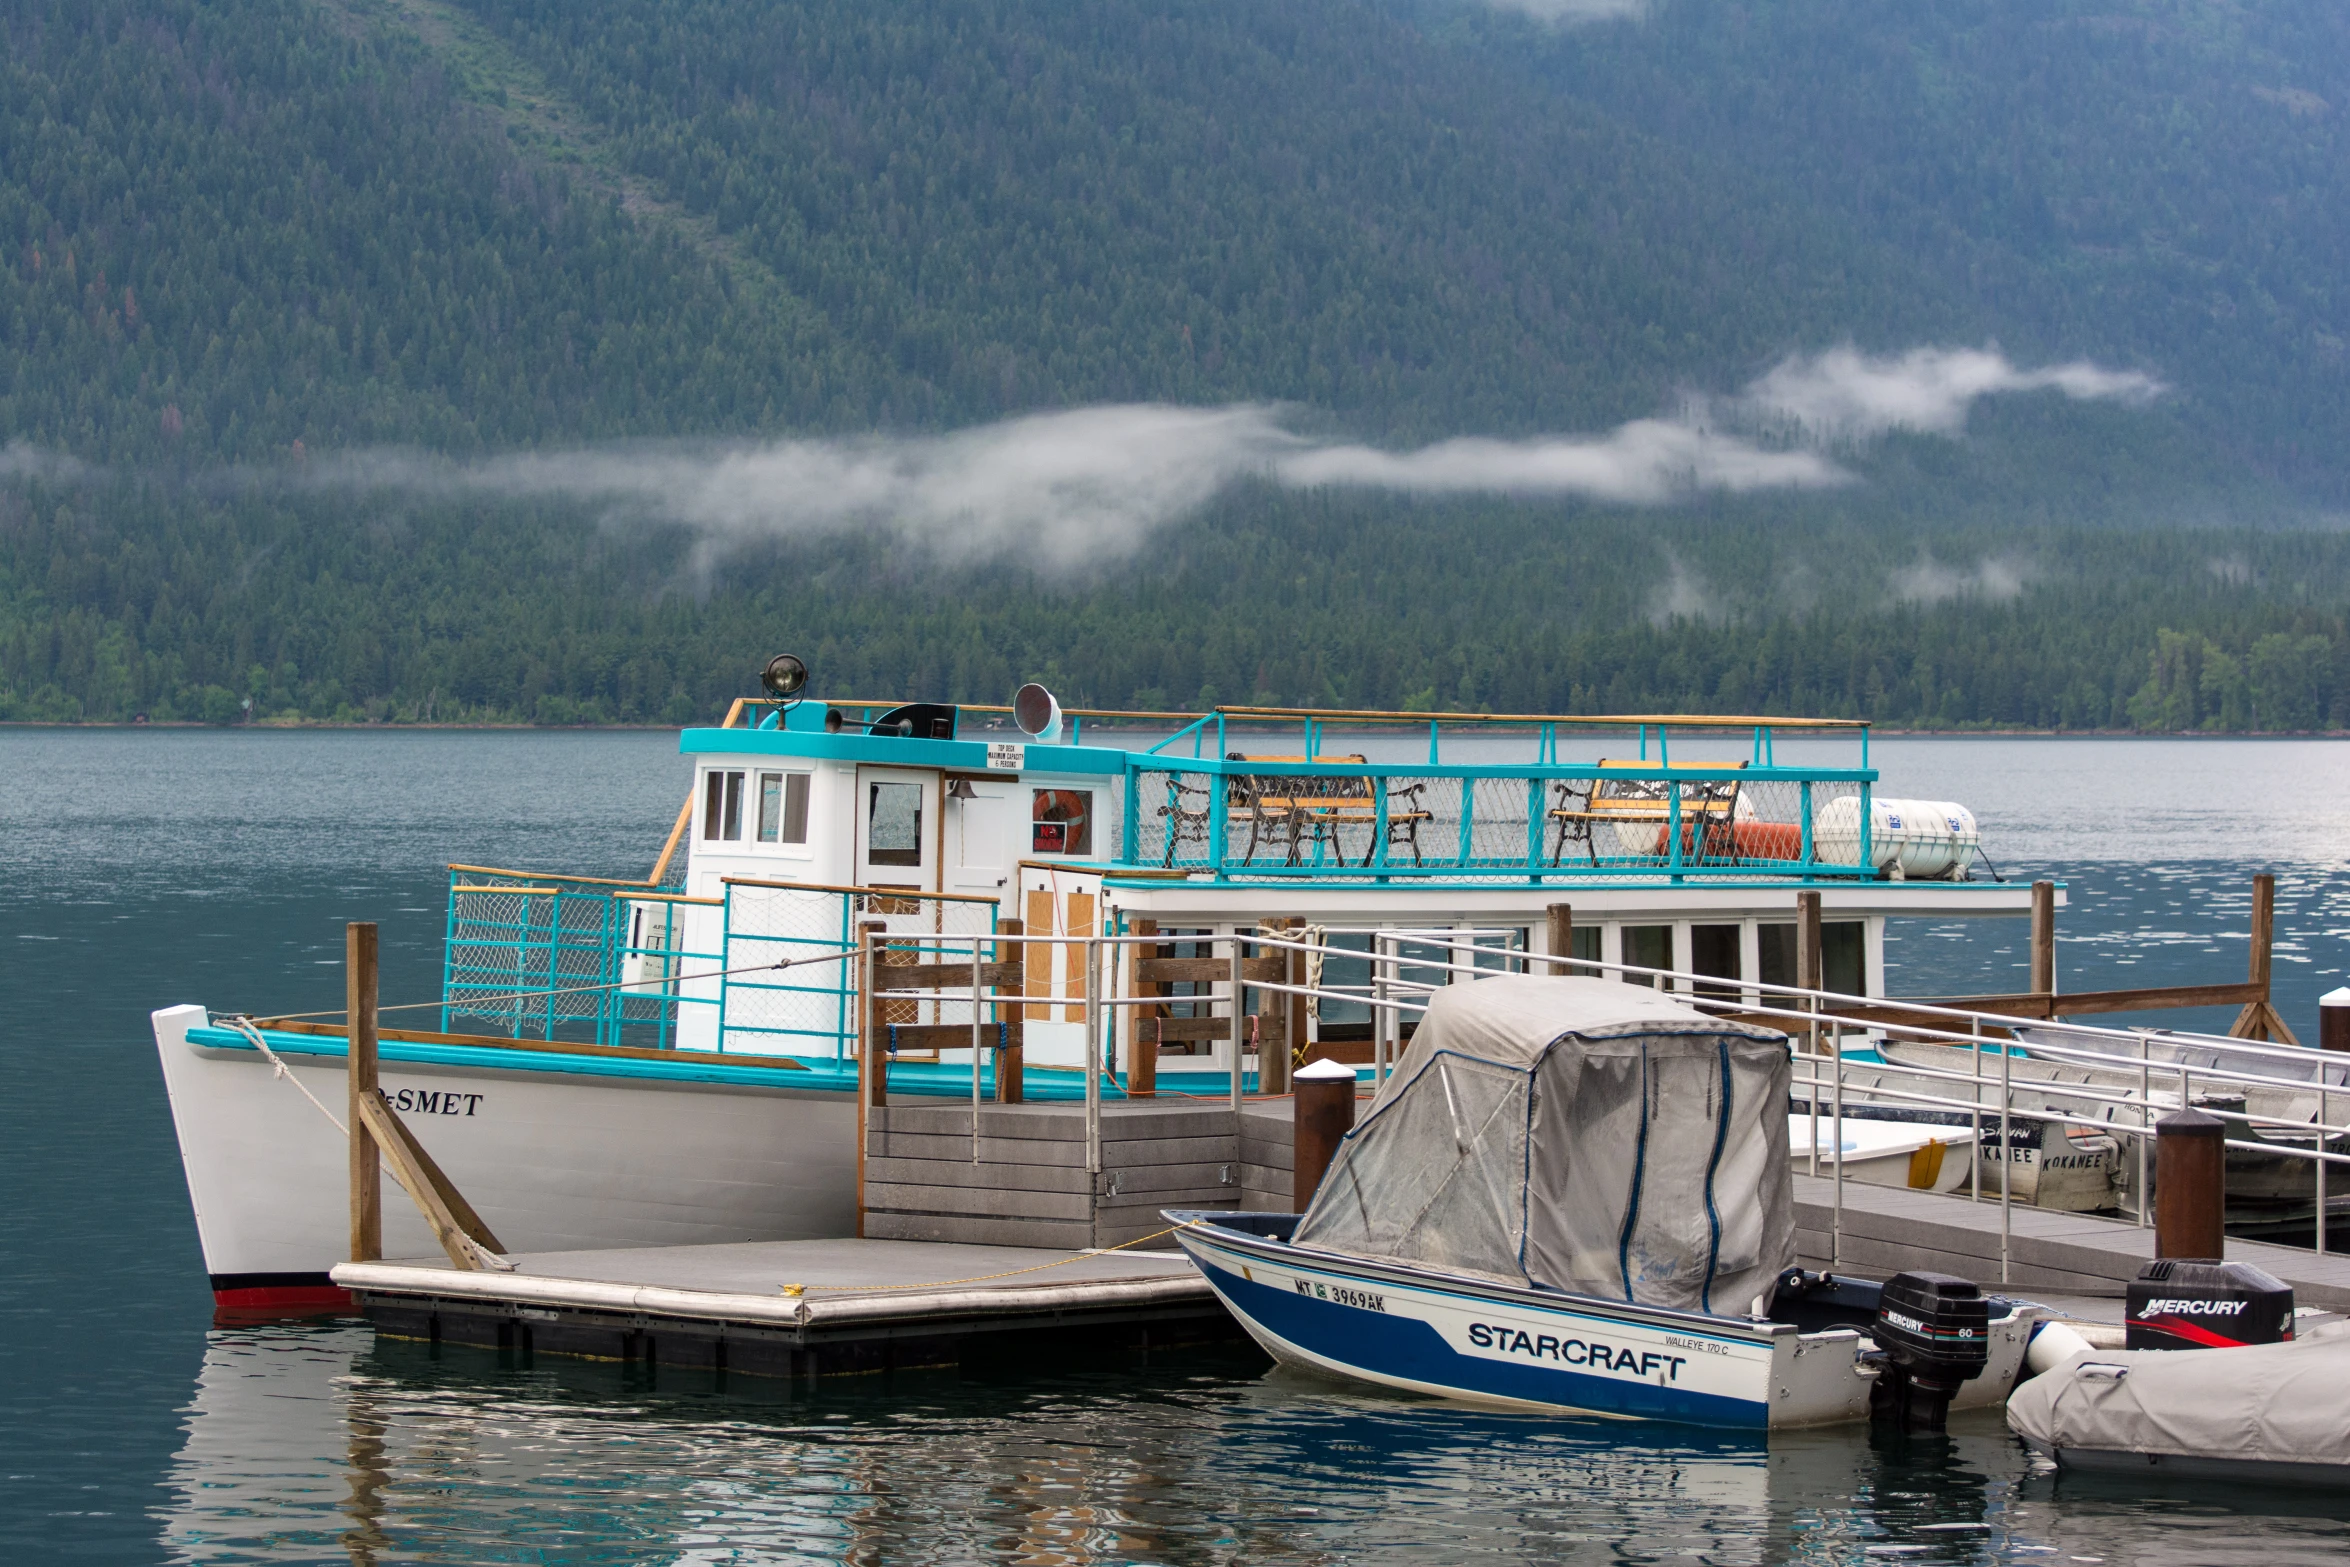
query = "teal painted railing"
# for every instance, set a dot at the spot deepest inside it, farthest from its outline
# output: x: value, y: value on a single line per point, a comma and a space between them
x: 1405, y: 821
x: 566, y: 957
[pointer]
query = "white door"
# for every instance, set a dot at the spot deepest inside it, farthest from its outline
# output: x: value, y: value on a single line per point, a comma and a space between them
x: 898, y: 828
x: 980, y: 852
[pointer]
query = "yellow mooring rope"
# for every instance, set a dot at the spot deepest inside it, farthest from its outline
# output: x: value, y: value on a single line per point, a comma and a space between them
x: 796, y: 1290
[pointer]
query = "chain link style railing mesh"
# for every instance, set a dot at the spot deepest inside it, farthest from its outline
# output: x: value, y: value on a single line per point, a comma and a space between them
x: 811, y: 1009
x: 1469, y: 825
x: 521, y: 953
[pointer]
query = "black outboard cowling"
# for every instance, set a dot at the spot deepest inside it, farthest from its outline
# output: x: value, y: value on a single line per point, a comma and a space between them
x: 2183, y: 1303
x: 1935, y: 1331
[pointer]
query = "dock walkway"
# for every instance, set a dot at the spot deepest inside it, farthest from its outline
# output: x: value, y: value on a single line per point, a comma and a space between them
x: 1887, y: 1229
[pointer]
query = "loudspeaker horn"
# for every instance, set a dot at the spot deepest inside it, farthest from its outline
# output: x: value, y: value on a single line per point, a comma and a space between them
x: 1037, y: 714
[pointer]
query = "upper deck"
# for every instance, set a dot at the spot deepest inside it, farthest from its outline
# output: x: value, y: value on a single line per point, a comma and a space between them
x: 839, y: 792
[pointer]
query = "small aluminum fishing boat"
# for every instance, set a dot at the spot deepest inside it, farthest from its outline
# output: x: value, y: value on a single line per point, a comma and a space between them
x: 1574, y: 1195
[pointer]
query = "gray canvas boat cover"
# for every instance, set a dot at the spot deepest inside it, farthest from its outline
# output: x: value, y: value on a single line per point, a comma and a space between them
x: 2283, y: 1404
x: 1577, y: 1134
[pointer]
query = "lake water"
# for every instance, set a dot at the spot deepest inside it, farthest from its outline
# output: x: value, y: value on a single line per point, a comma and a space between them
x: 157, y: 867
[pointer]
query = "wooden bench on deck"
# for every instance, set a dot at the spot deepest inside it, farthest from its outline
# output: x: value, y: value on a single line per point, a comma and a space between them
x: 1302, y: 807
x: 1709, y: 809
x: 1294, y: 808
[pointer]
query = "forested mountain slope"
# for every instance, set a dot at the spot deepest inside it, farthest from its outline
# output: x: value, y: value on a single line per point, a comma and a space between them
x: 184, y: 606
x: 248, y: 245
x: 2159, y: 181
x: 294, y: 220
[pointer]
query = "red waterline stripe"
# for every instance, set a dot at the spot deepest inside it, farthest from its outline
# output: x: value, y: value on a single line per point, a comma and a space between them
x: 282, y: 1297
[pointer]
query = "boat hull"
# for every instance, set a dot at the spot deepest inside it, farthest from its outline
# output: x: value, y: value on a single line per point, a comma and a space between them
x: 556, y: 1152
x: 1455, y: 1337
x: 1910, y: 1155
x: 2141, y: 1467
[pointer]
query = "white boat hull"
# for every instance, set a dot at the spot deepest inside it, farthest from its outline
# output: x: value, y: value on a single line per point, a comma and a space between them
x: 1914, y: 1155
x: 554, y: 1160
x: 1453, y: 1336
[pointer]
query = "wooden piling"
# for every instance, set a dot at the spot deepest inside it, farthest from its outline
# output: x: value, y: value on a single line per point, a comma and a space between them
x: 2043, y: 938
x: 1562, y: 936
x: 359, y: 990
x: 1142, y: 1056
x: 2333, y: 1020
x: 2190, y: 1185
x: 1010, y: 1086
x: 2264, y: 927
x: 1323, y: 1112
x: 2260, y: 1018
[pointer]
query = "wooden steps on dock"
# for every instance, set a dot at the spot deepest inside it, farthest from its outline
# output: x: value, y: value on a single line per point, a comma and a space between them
x: 1029, y: 1185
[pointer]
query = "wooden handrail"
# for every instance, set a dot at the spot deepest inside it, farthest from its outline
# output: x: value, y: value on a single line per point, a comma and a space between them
x: 1675, y: 720
x: 1899, y: 1011
x: 967, y: 707
x: 1368, y: 715
x: 592, y: 881
x: 877, y: 892
x: 685, y: 815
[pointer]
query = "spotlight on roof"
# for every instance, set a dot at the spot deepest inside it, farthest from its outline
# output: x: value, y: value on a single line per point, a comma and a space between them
x: 1037, y: 714
x: 784, y: 676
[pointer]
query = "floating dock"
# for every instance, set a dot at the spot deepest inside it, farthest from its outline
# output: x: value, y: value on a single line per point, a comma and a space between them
x: 964, y: 1256
x: 794, y: 1308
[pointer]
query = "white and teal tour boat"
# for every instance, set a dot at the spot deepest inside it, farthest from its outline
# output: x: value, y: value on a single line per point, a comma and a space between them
x: 617, y: 1062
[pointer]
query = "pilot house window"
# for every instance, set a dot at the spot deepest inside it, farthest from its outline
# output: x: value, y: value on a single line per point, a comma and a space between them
x: 783, y: 807
x: 1061, y: 822
x: 722, y: 808
x: 893, y: 824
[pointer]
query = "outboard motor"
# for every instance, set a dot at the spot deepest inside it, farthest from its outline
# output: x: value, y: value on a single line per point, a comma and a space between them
x: 1935, y: 1331
x: 1823, y: 1302
x: 2178, y: 1303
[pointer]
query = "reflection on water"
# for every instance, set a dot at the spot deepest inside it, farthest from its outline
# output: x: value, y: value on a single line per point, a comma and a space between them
x: 312, y: 1444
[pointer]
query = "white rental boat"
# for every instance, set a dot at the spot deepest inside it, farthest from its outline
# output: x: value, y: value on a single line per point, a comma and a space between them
x: 617, y: 1062
x: 1918, y: 1155
x: 1573, y: 1194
